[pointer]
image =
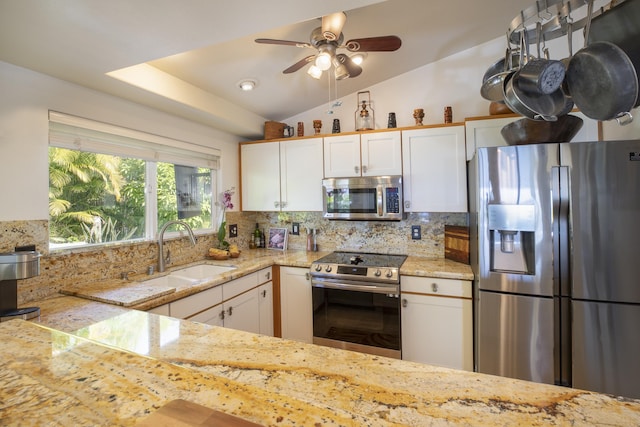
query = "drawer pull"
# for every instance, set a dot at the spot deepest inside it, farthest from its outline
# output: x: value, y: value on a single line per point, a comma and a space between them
x: 405, y: 303
x: 434, y: 287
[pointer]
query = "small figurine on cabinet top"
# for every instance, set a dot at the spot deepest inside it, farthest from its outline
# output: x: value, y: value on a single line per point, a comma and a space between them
x: 418, y: 114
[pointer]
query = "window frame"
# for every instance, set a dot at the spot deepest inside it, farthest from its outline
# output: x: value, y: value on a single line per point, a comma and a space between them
x: 80, y: 134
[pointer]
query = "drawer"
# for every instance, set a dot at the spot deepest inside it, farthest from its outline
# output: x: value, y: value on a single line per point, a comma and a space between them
x: 436, y: 286
x: 195, y: 303
x: 238, y: 286
x: 265, y: 275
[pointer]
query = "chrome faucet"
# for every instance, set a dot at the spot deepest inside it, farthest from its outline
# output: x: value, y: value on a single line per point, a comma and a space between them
x: 162, y: 261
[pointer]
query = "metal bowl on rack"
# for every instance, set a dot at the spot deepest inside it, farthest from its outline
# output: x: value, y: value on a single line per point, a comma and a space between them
x: 527, y: 131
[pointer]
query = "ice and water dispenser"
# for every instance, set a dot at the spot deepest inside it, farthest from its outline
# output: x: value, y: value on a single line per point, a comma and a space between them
x: 15, y: 266
x: 512, y: 238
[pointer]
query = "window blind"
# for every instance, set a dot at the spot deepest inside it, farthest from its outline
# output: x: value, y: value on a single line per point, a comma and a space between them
x: 77, y: 133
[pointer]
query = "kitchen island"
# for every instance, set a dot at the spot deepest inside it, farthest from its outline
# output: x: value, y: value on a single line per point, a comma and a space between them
x: 90, y: 363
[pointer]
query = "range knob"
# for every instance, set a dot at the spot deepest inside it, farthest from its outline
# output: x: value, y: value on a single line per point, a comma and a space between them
x: 377, y: 273
x: 318, y: 267
x: 328, y: 269
x: 389, y: 274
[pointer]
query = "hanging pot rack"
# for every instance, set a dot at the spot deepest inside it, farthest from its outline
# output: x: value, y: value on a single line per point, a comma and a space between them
x: 554, y: 17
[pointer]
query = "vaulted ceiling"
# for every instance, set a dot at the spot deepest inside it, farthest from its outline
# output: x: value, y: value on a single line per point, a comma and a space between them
x: 186, y: 57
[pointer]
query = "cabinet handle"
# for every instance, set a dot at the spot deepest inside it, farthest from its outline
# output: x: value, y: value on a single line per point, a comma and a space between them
x: 230, y: 311
x: 405, y: 303
x: 221, y: 315
x: 434, y: 287
x: 283, y: 204
x: 307, y: 276
x: 268, y: 275
x: 276, y: 204
x: 364, y: 168
x: 407, y: 204
x: 356, y: 169
x: 264, y: 294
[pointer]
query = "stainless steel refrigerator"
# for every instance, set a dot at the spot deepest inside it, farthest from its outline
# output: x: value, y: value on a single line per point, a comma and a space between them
x: 555, y: 232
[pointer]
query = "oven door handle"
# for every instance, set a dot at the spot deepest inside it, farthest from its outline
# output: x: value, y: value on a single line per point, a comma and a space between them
x: 355, y: 286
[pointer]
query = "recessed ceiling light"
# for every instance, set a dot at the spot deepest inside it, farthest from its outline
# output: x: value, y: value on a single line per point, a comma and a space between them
x: 247, y: 84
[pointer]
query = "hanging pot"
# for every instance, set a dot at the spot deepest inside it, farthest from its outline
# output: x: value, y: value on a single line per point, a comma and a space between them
x: 541, y: 75
x: 536, y: 106
x: 603, y: 82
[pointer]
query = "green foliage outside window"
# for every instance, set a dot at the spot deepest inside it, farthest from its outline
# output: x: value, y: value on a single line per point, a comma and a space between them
x: 98, y: 198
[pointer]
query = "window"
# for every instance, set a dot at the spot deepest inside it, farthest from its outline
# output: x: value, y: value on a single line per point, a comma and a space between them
x: 110, y: 184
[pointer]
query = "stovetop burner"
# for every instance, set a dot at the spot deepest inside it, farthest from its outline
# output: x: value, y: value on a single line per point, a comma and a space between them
x: 363, y: 259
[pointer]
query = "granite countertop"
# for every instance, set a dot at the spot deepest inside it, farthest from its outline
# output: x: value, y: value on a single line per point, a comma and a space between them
x: 119, y: 370
x: 136, y: 294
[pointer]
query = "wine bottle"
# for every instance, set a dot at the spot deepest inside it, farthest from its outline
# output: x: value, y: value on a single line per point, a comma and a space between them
x: 256, y: 236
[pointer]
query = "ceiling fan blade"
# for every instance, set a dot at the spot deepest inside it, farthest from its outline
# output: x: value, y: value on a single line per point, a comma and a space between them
x: 295, y: 67
x: 283, y: 42
x: 332, y: 25
x: 374, y: 44
x: 353, y: 68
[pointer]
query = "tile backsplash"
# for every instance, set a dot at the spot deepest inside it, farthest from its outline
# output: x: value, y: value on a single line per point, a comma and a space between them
x: 106, y: 262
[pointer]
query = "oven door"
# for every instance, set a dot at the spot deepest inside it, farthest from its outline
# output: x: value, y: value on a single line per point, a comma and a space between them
x: 359, y: 316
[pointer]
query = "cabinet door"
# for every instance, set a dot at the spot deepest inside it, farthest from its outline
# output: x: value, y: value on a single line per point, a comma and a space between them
x: 186, y: 307
x: 297, y: 315
x: 435, y: 170
x: 437, y: 323
x: 265, y: 304
x: 381, y: 153
x: 212, y: 316
x: 485, y: 133
x: 243, y: 312
x: 301, y: 175
x: 260, y: 166
x: 342, y: 156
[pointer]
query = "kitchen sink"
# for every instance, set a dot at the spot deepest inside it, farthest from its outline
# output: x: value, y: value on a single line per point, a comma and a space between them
x: 168, y: 281
x: 201, y: 271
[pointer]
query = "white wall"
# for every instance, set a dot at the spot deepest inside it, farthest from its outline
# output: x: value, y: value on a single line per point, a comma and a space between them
x: 453, y: 81
x: 25, y: 99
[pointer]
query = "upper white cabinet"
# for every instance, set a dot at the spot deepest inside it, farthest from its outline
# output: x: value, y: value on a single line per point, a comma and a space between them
x: 435, y: 170
x: 485, y: 131
x: 367, y: 154
x: 260, y: 176
x: 282, y: 175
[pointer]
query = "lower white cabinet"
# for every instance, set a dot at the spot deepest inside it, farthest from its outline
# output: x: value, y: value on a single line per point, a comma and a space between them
x: 437, y: 321
x: 245, y: 304
x: 297, y: 312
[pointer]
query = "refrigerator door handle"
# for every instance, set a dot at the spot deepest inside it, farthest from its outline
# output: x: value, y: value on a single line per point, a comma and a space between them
x: 561, y: 274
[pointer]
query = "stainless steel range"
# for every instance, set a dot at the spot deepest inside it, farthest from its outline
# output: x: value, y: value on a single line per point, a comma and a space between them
x: 356, y: 302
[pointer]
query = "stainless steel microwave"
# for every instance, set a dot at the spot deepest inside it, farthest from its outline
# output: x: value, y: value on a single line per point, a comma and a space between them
x: 363, y: 198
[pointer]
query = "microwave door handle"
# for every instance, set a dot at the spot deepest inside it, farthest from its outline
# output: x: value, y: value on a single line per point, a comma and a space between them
x: 379, y: 201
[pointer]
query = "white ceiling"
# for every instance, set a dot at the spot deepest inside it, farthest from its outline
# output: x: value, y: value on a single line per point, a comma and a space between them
x: 187, y: 56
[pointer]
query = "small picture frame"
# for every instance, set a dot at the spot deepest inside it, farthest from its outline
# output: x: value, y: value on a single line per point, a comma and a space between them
x: 277, y: 239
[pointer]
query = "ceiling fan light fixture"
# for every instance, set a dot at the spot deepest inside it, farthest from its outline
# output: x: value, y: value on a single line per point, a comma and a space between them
x: 332, y: 25
x: 341, y: 72
x: 359, y: 58
x: 314, y: 72
x: 323, y: 61
x: 247, y: 84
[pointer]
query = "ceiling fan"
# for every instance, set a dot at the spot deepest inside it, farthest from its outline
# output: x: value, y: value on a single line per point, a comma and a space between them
x: 327, y: 39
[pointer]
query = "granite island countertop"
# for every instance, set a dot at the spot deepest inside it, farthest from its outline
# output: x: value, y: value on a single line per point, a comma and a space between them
x: 114, y: 365
x: 119, y: 370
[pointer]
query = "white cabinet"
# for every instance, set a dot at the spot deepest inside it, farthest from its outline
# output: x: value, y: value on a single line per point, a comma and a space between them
x: 367, y: 154
x: 282, y: 175
x: 260, y: 176
x: 437, y: 321
x: 245, y: 304
x: 296, y: 303
x: 485, y: 131
x: 435, y: 170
